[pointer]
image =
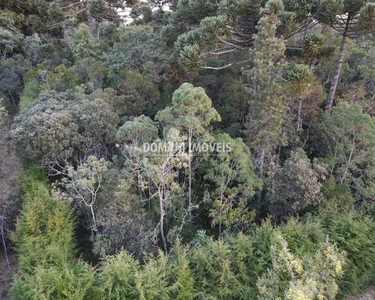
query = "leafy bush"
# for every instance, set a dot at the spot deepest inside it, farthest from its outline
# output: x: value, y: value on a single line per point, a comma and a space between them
x: 45, y: 247
x: 354, y: 234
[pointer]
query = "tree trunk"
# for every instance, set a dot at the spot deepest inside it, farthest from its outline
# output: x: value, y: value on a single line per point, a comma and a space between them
x: 348, y: 161
x: 4, y: 243
x: 220, y: 230
x: 299, y: 120
x: 337, y: 71
x: 90, y: 20
x: 162, y: 233
x: 93, y: 217
x: 190, y: 170
x: 162, y: 224
x: 259, y: 193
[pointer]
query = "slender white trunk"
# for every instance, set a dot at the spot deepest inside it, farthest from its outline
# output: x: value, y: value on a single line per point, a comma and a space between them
x: 299, y: 120
x: 93, y: 217
x: 162, y: 215
x: 348, y: 162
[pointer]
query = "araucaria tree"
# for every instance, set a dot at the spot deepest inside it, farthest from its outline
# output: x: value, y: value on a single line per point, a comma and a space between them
x: 351, y: 19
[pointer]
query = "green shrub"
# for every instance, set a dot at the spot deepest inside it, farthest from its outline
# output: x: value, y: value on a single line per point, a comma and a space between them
x: 71, y: 281
x: 44, y: 234
x: 45, y: 229
x: 286, y: 261
x: 354, y: 234
x: 117, y: 277
x: 29, y: 94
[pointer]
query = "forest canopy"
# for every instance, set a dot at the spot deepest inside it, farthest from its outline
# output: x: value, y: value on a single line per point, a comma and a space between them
x: 187, y: 149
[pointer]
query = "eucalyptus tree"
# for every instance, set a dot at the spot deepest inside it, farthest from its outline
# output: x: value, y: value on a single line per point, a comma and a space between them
x: 159, y: 174
x: 83, y: 184
x: 138, y: 131
x: 345, y: 141
x: 191, y: 112
x: 131, y: 136
x: 156, y: 164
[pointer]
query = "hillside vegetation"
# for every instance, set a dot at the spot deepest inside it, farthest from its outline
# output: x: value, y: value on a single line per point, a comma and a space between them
x: 190, y: 149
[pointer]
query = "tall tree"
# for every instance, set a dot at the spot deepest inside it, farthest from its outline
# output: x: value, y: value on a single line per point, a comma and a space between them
x: 191, y: 112
x: 84, y: 183
x: 267, y: 104
x: 345, y: 140
x: 302, y: 84
x: 217, y: 34
x: 156, y: 165
x: 351, y: 19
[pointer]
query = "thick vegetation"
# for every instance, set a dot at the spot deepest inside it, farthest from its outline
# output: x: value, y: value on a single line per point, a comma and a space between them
x: 111, y: 105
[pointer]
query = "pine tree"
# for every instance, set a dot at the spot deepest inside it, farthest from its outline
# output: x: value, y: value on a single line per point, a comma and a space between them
x: 45, y: 244
x: 267, y: 104
x: 181, y: 274
x: 117, y: 277
x: 295, y: 278
x: 83, y: 44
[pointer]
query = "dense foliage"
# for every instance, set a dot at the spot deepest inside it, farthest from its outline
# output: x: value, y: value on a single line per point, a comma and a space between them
x: 110, y: 104
x: 293, y: 260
